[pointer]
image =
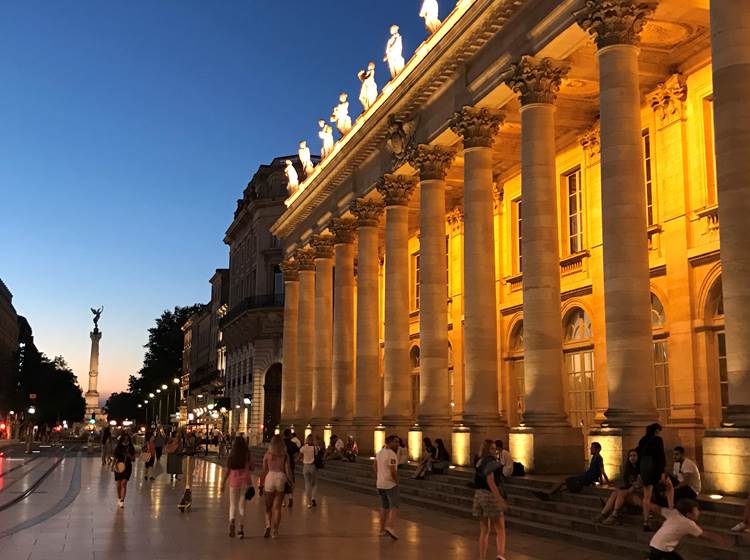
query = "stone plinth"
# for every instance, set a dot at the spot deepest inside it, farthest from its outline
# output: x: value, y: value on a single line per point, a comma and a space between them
x: 726, y: 460
x: 547, y: 450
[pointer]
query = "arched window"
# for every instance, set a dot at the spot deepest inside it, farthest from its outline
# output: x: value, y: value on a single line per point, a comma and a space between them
x: 661, y: 359
x: 718, y: 358
x: 414, y: 359
x: 579, y: 366
x: 516, y: 368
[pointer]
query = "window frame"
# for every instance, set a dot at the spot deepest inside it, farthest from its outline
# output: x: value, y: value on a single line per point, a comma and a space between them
x: 575, y: 242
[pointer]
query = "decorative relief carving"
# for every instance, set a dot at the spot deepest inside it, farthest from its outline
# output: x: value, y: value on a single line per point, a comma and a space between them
x: 668, y: 99
x: 498, y: 195
x: 614, y: 22
x: 343, y: 230
x: 536, y: 80
x: 367, y: 212
x: 455, y: 217
x: 399, y: 137
x: 323, y: 246
x: 591, y: 143
x: 290, y: 269
x: 432, y: 162
x: 305, y: 258
x: 396, y: 189
x: 477, y: 126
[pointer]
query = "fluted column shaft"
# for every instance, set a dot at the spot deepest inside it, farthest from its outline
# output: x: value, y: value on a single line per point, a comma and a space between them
x: 289, y: 358
x: 396, y: 190
x: 305, y: 337
x: 343, y: 321
x: 321, y: 394
x: 369, y: 398
x: 730, y: 47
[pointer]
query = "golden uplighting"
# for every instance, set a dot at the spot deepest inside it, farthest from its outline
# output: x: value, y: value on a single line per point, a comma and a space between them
x: 414, y: 445
x: 327, y: 431
x: 521, y: 441
x: 378, y: 438
x: 461, y: 443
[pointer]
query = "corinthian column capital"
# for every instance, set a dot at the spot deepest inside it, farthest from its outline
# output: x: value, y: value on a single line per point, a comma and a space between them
x: 322, y: 246
x: 614, y: 22
x: 367, y: 212
x: 343, y: 230
x: 668, y: 99
x: 477, y: 126
x: 396, y: 190
x: 290, y: 269
x: 536, y: 80
x: 432, y: 162
x: 305, y: 258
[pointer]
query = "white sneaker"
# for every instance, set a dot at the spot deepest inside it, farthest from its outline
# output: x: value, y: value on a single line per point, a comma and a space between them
x: 121, y: 503
x: 740, y: 527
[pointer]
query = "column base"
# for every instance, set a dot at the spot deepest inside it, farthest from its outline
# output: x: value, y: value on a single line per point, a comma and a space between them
x: 625, y: 418
x: 480, y: 428
x: 437, y: 427
x: 738, y: 415
x: 548, y: 449
x: 726, y: 460
x: 363, y: 430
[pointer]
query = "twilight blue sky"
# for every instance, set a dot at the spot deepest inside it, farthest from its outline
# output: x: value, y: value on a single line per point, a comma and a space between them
x: 128, y: 130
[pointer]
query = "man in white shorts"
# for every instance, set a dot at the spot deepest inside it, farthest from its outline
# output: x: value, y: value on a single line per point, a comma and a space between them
x: 386, y: 473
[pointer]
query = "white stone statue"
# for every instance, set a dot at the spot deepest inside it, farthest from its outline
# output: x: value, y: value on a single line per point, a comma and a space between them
x: 430, y: 14
x: 305, y: 158
x: 394, y: 52
x: 292, y: 177
x: 341, y: 115
x: 369, y: 91
x: 326, y: 135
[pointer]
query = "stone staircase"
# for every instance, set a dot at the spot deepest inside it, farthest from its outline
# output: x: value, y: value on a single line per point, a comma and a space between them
x: 566, y: 516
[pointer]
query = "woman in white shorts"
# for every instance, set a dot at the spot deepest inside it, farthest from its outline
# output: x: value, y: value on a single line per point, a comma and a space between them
x: 276, y: 475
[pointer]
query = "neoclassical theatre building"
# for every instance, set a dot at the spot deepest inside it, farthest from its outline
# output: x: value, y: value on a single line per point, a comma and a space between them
x: 539, y: 231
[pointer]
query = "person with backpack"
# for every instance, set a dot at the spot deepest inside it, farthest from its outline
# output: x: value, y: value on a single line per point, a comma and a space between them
x: 490, y: 503
x: 238, y: 474
x: 309, y: 454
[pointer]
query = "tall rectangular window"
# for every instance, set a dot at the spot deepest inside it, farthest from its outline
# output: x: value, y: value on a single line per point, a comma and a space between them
x: 416, y: 277
x: 708, y: 139
x: 661, y: 380
x: 648, y: 174
x: 518, y: 233
x: 572, y: 184
x: 721, y: 343
x: 580, y: 369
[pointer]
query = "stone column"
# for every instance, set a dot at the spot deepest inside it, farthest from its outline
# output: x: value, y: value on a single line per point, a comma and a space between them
x: 557, y: 446
x: 725, y: 460
x: 305, y: 336
x: 343, y: 321
x: 289, y: 341
x: 478, y: 128
x: 396, y: 191
x: 368, y: 398
x: 321, y: 393
x: 616, y: 25
x: 433, y: 163
x: 92, y: 395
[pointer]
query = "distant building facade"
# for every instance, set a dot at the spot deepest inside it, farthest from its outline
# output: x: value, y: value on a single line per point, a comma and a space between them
x: 9, y: 330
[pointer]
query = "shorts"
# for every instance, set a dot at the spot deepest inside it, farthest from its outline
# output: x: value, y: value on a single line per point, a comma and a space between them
x: 388, y: 498
x: 485, y: 505
x: 655, y: 554
x: 275, y: 482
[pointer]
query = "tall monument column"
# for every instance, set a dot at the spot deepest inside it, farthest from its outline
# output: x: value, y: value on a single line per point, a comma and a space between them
x: 323, y: 362
x: 434, y: 412
x: 725, y: 451
x: 305, y: 336
x: 369, y: 398
x: 396, y: 191
x: 557, y: 446
x: 92, y: 395
x: 289, y: 357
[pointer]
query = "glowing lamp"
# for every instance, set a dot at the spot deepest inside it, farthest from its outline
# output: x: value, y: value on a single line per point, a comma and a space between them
x: 327, y: 431
x: 308, y: 430
x: 378, y: 437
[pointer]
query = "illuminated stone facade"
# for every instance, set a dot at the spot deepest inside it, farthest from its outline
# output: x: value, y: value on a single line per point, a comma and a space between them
x: 587, y: 303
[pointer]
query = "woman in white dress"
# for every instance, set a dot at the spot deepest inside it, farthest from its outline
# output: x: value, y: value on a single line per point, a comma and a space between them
x: 394, y: 52
x: 369, y: 91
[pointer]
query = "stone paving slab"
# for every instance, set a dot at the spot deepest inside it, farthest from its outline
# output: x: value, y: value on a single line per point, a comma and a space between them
x: 150, y: 527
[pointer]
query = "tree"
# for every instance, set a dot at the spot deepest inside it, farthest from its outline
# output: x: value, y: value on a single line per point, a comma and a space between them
x: 122, y: 406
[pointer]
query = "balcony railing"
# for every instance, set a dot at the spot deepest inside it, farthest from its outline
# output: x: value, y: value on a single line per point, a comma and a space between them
x: 264, y: 301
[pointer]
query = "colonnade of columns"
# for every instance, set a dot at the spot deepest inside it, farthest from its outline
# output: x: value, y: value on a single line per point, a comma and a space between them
x: 351, y: 363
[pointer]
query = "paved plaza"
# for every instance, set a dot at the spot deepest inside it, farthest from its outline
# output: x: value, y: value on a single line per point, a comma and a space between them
x: 73, y: 515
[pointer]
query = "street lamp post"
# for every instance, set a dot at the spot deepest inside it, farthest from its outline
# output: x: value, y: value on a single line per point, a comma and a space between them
x: 146, y: 402
x: 176, y: 383
x: 166, y: 393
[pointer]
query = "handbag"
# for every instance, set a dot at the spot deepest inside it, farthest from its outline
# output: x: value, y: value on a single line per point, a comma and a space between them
x: 120, y: 467
x: 250, y: 493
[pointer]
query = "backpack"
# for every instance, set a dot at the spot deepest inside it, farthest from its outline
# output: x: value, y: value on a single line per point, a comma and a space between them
x: 518, y: 469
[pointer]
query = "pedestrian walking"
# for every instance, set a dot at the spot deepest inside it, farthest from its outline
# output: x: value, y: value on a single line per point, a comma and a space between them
x: 238, y: 474
x: 275, y: 479
x: 148, y: 455
x: 490, y: 504
x: 174, y: 455
x: 652, y: 464
x: 159, y: 441
x: 124, y: 455
x: 309, y: 452
x: 106, y: 446
x: 386, y: 475
x: 292, y: 448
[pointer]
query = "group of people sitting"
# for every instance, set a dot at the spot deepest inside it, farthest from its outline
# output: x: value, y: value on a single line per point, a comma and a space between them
x: 338, y: 450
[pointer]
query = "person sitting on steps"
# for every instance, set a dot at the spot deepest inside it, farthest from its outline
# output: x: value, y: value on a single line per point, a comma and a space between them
x: 686, y: 477
x: 425, y: 463
x: 594, y: 474
x: 629, y: 492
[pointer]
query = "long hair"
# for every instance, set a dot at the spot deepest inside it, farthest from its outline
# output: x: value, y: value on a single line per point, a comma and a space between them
x: 485, y: 450
x: 238, y: 456
x: 276, y: 446
x: 651, y: 429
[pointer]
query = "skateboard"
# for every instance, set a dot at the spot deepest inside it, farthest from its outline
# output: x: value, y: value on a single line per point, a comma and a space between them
x: 186, y: 502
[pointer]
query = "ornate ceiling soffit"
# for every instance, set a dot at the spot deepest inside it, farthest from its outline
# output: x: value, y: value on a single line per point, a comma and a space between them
x: 477, y: 126
x: 432, y: 162
x: 305, y: 258
x: 322, y: 245
x: 343, y: 229
x: 399, y: 137
x: 396, y: 189
x: 536, y: 80
x: 367, y: 212
x: 591, y: 142
x: 614, y: 22
x: 668, y: 98
x: 290, y: 269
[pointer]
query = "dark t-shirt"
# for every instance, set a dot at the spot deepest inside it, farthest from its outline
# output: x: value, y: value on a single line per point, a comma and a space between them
x: 292, y: 450
x: 596, y: 467
x: 485, y: 467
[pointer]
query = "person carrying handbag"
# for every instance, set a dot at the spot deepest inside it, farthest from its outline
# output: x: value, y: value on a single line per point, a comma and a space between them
x: 238, y: 474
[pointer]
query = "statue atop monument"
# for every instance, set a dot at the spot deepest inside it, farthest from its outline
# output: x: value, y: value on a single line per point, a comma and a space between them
x: 341, y: 115
x: 292, y: 177
x: 369, y: 91
x: 430, y: 13
x: 305, y: 158
x: 394, y: 52
x: 326, y: 135
x: 97, y: 313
